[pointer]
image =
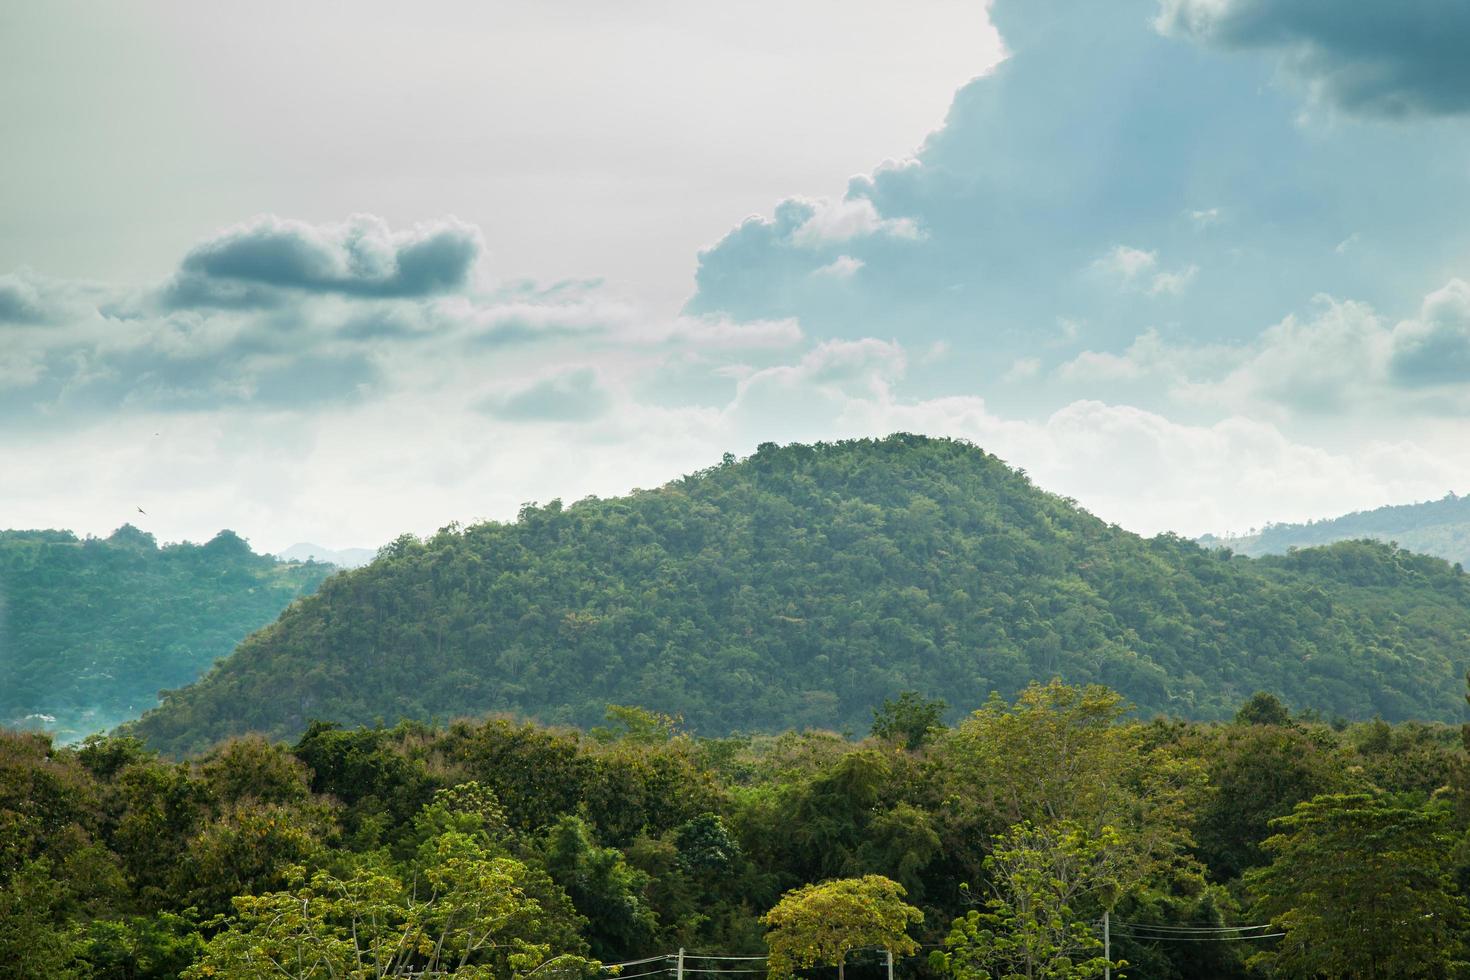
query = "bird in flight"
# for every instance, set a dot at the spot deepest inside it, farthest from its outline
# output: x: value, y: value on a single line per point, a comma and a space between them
x: 143, y: 512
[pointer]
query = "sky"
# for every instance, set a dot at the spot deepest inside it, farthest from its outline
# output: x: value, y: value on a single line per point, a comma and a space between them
x: 332, y: 272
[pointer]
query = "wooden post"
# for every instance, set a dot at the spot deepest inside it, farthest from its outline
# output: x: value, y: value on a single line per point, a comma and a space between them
x: 890, y: 963
x: 1107, y: 945
x: 679, y: 966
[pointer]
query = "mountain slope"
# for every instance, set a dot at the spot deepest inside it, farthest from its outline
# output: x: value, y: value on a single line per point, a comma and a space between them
x: 91, y: 630
x: 1434, y: 527
x: 806, y: 583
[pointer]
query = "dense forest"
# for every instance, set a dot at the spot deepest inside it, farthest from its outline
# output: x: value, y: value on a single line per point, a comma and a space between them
x: 91, y: 630
x: 803, y: 584
x: 1434, y: 527
x: 1272, y: 846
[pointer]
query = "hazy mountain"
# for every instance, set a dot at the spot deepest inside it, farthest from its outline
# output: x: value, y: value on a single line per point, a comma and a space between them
x: 91, y: 629
x: 801, y: 586
x: 1434, y: 527
x: 341, y: 557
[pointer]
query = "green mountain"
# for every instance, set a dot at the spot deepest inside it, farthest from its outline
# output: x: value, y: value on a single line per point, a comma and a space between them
x: 1434, y: 527
x: 91, y: 630
x: 801, y: 586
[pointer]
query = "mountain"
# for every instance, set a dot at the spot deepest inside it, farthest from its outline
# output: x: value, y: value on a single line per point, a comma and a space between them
x: 1434, y: 527
x: 342, y: 558
x: 803, y: 585
x: 91, y: 630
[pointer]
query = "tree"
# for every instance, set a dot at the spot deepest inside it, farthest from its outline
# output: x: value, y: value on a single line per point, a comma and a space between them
x: 1361, y: 886
x: 1062, y: 755
x: 1263, y: 708
x: 911, y: 719
x: 467, y: 919
x: 820, y: 925
x: 1033, y: 928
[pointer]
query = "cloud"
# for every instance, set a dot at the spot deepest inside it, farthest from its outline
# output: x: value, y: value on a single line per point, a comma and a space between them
x: 1435, y: 348
x: 1138, y: 270
x: 1345, y: 359
x: 250, y: 264
x: 573, y: 395
x: 842, y: 267
x: 1185, y: 180
x: 30, y: 299
x: 835, y: 222
x: 1387, y: 58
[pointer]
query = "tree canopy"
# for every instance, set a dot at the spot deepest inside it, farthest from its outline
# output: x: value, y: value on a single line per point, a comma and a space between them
x: 91, y: 630
x: 805, y: 584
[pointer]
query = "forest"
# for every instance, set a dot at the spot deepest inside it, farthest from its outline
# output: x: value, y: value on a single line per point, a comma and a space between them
x: 1433, y: 527
x: 92, y: 629
x: 1271, y: 845
x: 801, y: 585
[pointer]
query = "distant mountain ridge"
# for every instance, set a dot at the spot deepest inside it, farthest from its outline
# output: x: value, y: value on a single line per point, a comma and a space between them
x: 804, y: 584
x: 91, y: 629
x: 1433, y: 527
x: 341, y: 557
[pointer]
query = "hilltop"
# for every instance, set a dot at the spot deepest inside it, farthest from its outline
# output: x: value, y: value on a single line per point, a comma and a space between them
x: 802, y: 585
x: 1434, y: 527
x: 92, y: 629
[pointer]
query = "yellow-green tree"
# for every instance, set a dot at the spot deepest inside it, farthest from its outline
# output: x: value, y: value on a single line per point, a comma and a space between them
x: 1044, y: 881
x: 469, y: 918
x: 820, y: 925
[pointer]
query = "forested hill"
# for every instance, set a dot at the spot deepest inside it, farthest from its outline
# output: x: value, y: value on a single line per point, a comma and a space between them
x: 801, y: 586
x: 1435, y: 527
x: 91, y: 630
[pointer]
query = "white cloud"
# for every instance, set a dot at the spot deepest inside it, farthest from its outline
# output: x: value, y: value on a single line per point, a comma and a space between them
x: 1127, y: 264
x: 1137, y: 269
x: 842, y: 267
x: 835, y: 222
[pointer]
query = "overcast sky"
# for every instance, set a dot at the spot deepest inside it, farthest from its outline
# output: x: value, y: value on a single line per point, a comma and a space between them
x: 331, y: 272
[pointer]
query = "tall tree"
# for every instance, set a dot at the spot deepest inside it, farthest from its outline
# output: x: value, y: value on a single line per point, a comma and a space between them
x: 1361, y: 886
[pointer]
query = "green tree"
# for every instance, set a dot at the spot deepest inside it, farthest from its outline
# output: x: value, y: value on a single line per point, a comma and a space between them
x: 1062, y: 755
x: 911, y: 719
x: 820, y: 925
x: 1043, y: 881
x: 1361, y: 886
x: 467, y: 920
x: 1263, y: 708
x: 603, y: 886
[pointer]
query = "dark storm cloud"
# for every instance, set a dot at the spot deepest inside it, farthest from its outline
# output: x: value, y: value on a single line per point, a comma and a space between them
x: 1372, y: 57
x: 255, y: 264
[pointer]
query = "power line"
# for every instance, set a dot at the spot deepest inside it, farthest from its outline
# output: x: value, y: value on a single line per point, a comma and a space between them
x: 691, y: 956
x: 1165, y: 938
x: 649, y: 959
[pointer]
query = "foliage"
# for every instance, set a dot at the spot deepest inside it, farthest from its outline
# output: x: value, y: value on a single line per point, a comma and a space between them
x: 118, y: 864
x: 820, y: 925
x: 93, y: 629
x: 1043, y: 882
x: 911, y: 719
x: 803, y: 585
x: 1361, y: 886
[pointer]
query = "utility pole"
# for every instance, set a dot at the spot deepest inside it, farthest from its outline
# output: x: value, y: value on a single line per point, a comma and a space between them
x: 1107, y: 945
x: 890, y: 963
x: 679, y: 967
